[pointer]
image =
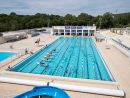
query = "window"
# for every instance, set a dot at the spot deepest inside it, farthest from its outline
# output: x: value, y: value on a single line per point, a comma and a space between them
x: 68, y: 31
x: 55, y: 30
x: 61, y: 30
x: 85, y: 31
x: 79, y: 31
x: 73, y: 30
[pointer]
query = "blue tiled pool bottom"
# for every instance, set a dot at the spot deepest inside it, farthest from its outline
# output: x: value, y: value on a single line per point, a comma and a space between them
x: 5, y: 55
x: 74, y: 57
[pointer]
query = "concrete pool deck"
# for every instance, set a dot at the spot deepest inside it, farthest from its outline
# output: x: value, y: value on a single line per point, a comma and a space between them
x: 111, y: 56
x: 15, y: 89
x: 28, y: 43
x: 119, y: 65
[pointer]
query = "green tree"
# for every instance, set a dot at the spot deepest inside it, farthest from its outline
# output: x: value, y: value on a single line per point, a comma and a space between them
x: 13, y: 25
x: 84, y: 19
x: 107, y: 20
x: 14, y: 21
x: 70, y: 20
x: 13, y: 14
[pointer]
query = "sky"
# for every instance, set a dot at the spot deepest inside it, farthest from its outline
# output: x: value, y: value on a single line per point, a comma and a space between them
x: 63, y: 7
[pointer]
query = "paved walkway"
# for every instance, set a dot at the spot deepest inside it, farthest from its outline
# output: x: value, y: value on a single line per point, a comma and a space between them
x: 28, y: 43
x: 119, y: 65
x: 11, y: 90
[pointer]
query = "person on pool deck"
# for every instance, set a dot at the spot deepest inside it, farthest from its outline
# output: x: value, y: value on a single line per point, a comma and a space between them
x: 31, y: 52
x: 26, y: 51
x: 9, y: 67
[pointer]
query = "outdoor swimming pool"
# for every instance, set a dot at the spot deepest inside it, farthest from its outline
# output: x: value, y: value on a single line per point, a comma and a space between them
x: 74, y: 57
x: 5, y: 55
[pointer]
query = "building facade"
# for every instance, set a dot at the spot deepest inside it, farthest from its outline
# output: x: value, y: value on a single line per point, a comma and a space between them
x: 127, y: 31
x: 121, y: 31
x: 13, y: 36
x: 74, y: 30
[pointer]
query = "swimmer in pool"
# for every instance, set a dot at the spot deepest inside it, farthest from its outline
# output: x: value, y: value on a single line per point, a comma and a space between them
x: 54, y: 49
x: 42, y: 64
x: 46, y: 57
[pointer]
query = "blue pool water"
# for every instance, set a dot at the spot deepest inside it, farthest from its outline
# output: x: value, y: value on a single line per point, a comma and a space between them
x: 5, y: 55
x: 74, y: 57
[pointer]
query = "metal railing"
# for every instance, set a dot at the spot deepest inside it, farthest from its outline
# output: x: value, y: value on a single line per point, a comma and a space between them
x: 121, y: 44
x: 122, y: 47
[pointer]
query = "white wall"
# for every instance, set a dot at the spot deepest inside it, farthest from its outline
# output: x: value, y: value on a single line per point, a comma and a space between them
x: 83, y: 28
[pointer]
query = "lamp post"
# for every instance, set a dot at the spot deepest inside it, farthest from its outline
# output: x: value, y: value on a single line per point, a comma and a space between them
x: 48, y: 24
x: 116, y: 18
x: 100, y: 22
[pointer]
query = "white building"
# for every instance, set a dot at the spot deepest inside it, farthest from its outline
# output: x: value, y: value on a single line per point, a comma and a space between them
x: 121, y: 31
x: 74, y: 30
x: 127, y: 31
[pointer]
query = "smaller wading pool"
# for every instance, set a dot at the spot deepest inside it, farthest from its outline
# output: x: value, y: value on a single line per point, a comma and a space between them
x: 5, y: 55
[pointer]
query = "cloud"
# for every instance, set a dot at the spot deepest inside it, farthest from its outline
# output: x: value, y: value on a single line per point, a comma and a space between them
x: 62, y: 7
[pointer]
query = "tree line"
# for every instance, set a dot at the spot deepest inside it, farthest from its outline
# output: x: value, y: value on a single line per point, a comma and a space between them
x: 13, y: 21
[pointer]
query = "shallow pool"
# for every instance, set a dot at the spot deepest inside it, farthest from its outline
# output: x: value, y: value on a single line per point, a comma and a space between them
x: 5, y: 55
x: 74, y: 57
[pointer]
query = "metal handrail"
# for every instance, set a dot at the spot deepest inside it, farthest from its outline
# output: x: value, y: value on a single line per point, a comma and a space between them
x: 122, y: 45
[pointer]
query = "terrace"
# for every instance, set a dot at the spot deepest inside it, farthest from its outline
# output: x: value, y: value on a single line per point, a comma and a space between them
x: 116, y: 67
